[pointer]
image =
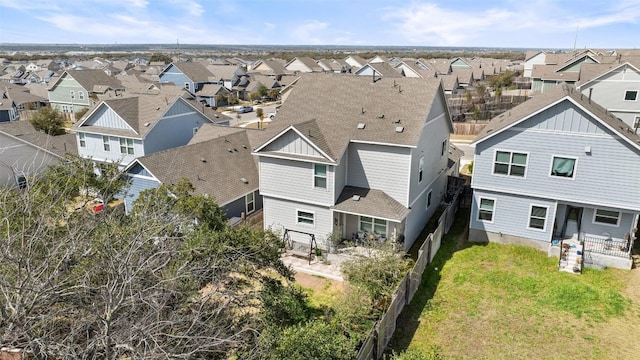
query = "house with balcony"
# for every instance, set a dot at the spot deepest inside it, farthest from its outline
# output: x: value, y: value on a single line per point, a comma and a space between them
x: 558, y: 167
x: 356, y: 158
x: 122, y: 129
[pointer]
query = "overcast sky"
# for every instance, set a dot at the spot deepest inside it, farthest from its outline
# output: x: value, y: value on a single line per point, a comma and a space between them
x: 604, y: 24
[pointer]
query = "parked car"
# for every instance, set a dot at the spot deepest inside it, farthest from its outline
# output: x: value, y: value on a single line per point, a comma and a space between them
x: 244, y: 109
x: 271, y: 115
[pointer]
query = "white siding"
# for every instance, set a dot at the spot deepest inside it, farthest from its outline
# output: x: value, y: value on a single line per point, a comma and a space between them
x: 94, y: 149
x: 282, y: 214
x: 292, y: 143
x: 297, y: 65
x: 380, y: 167
x: 291, y: 179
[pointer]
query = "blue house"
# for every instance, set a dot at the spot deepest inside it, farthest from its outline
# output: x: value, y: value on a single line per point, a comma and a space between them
x: 122, y: 129
x: 221, y: 167
x: 192, y: 76
x: 558, y: 167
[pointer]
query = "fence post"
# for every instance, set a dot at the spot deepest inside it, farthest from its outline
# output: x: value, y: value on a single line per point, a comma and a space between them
x: 407, y: 288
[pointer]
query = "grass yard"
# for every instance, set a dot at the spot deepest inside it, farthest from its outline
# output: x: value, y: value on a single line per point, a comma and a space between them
x: 493, y: 301
x: 322, y: 292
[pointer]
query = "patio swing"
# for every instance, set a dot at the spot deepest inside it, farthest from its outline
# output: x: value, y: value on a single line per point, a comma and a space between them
x: 298, y: 248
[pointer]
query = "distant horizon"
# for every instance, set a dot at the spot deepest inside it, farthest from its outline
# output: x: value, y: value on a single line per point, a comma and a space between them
x: 504, y: 24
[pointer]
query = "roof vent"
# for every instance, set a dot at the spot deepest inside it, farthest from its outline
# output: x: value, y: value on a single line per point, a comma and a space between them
x: 361, y: 126
x: 244, y: 146
x: 147, y: 124
x: 244, y: 180
x: 399, y: 129
x: 355, y: 198
x: 230, y: 150
x: 381, y: 116
x: 158, y: 108
x: 203, y: 160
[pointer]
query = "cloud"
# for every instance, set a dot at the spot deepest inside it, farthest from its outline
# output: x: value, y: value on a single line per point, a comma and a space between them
x: 309, y: 32
x: 29, y: 5
x: 269, y: 26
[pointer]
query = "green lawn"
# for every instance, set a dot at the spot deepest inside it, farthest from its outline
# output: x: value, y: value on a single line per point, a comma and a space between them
x: 494, y: 301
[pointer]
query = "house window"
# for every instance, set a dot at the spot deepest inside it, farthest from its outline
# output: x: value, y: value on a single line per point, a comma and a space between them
x: 537, y: 217
x: 81, y: 95
x: 420, y: 168
x: 631, y: 95
x: 606, y: 217
x: 372, y: 225
x: 251, y: 204
x: 187, y: 86
x: 443, y: 150
x: 126, y: 146
x: 195, y: 130
x: 73, y: 94
x: 429, y: 199
x: 306, y: 218
x: 105, y: 143
x: 83, y: 141
x: 485, y: 211
x: 320, y: 176
x: 510, y: 163
x: 563, y: 167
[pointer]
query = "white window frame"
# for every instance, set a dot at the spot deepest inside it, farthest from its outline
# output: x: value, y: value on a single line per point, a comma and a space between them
x: 187, y: 86
x: 372, y: 223
x: 493, y: 210
x: 429, y: 199
x: 420, y: 169
x: 325, y: 177
x: 595, y: 214
x: 302, y: 223
x: 630, y: 91
x: 575, y: 167
x: 510, y: 164
x: 546, y: 216
x: 636, y: 123
x: 251, y: 201
x: 444, y: 150
x: 82, y: 139
x: 106, y: 144
x: 80, y: 95
x: 124, y: 143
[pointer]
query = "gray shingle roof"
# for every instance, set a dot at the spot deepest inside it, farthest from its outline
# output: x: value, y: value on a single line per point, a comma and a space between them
x: 549, y: 97
x: 215, y: 167
x: 91, y: 80
x: 59, y: 145
x: 370, y: 202
x: 194, y: 70
x: 335, y: 103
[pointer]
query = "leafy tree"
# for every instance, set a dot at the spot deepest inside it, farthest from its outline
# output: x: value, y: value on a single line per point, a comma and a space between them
x: 481, y: 90
x: 504, y: 79
x: 260, y: 112
x: 160, y: 57
x: 273, y: 93
x: 221, y: 99
x: 80, y: 113
x: 233, y: 99
x: 313, y: 340
x: 48, y: 120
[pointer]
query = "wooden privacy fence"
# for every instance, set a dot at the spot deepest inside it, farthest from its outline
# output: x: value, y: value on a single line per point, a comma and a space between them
x: 379, y: 337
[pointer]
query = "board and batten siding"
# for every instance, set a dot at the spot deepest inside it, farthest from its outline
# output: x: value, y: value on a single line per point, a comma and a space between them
x: 511, y: 215
x: 607, y: 175
x: 282, y: 214
x: 175, y: 76
x: 380, y: 167
x: 291, y: 142
x: 175, y: 129
x: 291, y: 179
x: 107, y: 118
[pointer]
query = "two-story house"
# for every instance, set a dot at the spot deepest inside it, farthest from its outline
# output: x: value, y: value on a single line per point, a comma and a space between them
x: 122, y: 129
x: 74, y: 89
x: 218, y: 163
x: 191, y: 76
x: 616, y: 87
x: 356, y: 157
x: 558, y: 166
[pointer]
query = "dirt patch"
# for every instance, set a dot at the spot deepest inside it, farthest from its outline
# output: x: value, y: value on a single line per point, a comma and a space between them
x: 318, y: 284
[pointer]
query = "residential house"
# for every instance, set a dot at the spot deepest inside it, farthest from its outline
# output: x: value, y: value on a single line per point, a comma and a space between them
x: 415, y: 69
x: 8, y: 109
x: 221, y: 167
x: 616, y: 87
x: 377, y: 70
x: 192, y: 76
x: 303, y: 64
x: 28, y: 152
x: 356, y: 157
x: 533, y: 58
x: 558, y: 166
x: 355, y: 61
x: 270, y: 68
x: 334, y: 65
x: 450, y: 83
x: 79, y: 89
x: 122, y: 129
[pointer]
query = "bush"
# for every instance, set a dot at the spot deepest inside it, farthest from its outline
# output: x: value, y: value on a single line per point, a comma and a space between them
x: 314, y: 340
x: 48, y: 120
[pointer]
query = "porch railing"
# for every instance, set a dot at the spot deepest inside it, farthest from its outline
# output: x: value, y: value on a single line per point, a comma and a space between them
x: 607, y: 246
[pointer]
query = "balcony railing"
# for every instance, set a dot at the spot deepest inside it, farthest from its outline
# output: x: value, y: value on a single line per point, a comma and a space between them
x: 607, y: 245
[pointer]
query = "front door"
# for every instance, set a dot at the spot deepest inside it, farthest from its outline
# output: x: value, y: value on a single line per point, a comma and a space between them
x: 572, y: 223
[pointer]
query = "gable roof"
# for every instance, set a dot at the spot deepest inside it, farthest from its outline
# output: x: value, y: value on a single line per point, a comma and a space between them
x: 56, y: 145
x: 273, y: 67
x: 91, y: 80
x: 593, y: 72
x: 382, y: 69
x: 306, y: 61
x: 333, y: 105
x: 216, y: 167
x: 555, y: 95
x: 195, y: 71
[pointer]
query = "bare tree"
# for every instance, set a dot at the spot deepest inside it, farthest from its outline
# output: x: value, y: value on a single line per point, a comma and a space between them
x: 169, y: 281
